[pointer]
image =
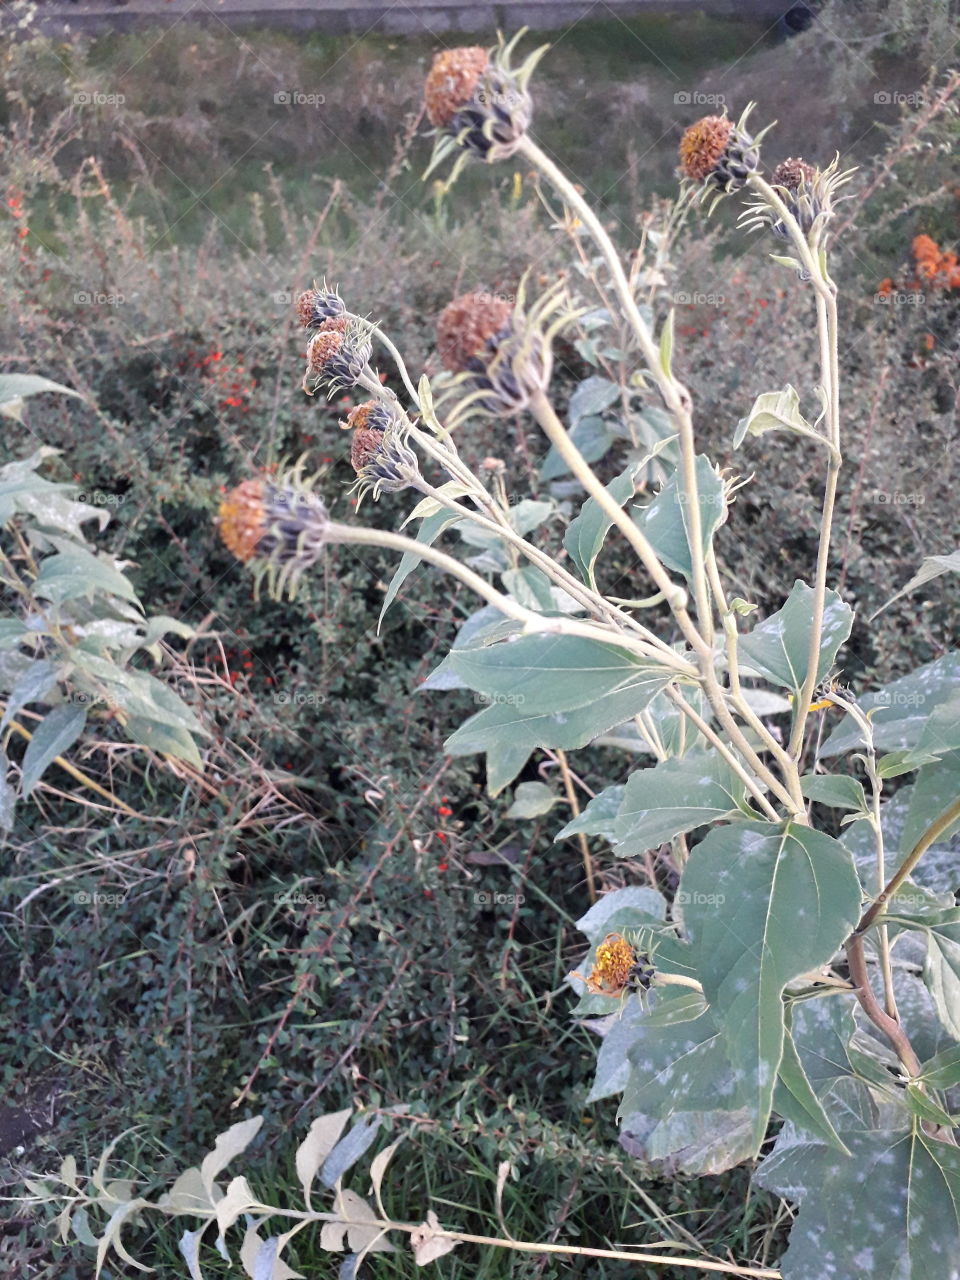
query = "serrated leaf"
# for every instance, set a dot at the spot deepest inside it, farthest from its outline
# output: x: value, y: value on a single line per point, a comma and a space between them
x: 778, y: 647
x: 228, y: 1145
x: 56, y: 733
x: 532, y: 800
x: 323, y: 1136
x: 761, y: 906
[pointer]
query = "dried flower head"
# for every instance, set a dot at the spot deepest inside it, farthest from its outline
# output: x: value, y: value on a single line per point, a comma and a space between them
x: 467, y: 324
x: 337, y: 355
x: 793, y: 173
x: 808, y: 193
x: 318, y: 304
x: 280, y: 526
x: 718, y: 153
x: 381, y: 456
x: 501, y: 354
x: 371, y: 413
x: 452, y: 80
x: 478, y: 102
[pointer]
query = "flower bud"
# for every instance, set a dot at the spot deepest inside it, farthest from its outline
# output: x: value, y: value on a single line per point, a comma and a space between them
x: 280, y: 527
x: 719, y: 153
x: 314, y: 306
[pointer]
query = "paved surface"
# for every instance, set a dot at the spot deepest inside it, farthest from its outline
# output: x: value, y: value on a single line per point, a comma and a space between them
x: 393, y: 17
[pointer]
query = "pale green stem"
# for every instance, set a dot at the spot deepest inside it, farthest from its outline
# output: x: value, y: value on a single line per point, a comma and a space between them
x: 674, y: 396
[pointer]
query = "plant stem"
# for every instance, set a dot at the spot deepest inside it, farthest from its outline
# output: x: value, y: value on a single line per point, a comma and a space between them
x: 892, y: 1029
x: 575, y: 810
x: 932, y: 833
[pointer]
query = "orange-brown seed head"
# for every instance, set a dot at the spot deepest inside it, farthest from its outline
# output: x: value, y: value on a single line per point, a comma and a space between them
x: 241, y: 519
x: 791, y: 172
x: 357, y: 417
x: 451, y: 82
x: 702, y: 146
x: 364, y: 447
x: 466, y: 324
x: 324, y: 345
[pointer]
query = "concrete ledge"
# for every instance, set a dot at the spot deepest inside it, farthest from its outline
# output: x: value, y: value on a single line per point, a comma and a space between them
x: 405, y: 17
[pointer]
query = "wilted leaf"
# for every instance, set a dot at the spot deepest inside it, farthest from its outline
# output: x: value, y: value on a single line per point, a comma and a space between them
x: 323, y: 1136
x: 228, y: 1145
x: 427, y: 1245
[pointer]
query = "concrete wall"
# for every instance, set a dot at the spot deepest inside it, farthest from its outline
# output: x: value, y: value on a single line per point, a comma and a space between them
x: 405, y: 17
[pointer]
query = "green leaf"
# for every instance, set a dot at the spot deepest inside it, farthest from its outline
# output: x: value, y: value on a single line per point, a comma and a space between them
x: 673, y: 797
x: 75, y: 572
x: 924, y: 1107
x: 942, y: 1071
x: 599, y: 818
x: 585, y: 535
x: 931, y: 567
x: 778, y: 647
x: 592, y: 437
x: 761, y: 906
x: 665, y: 522
x: 591, y: 397
x: 429, y: 531
x: 796, y: 1100
x: 901, y: 711
x: 531, y: 800
x: 37, y: 680
x: 837, y: 790
x: 889, y: 1210
x: 632, y: 908
x: 529, y: 515
x: 775, y: 411
x: 936, y: 787
x: 696, y: 1142
x: 549, y: 673
x: 509, y: 733
x: 56, y: 733
x: 17, y: 386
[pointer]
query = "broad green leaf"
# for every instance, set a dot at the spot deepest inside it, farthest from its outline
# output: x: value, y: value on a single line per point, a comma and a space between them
x: 585, y: 535
x: 795, y: 1098
x: 932, y: 567
x: 623, y: 909
x: 775, y: 411
x: 598, y: 818
x: 778, y: 647
x: 937, y: 787
x: 761, y: 906
x: 901, y: 710
x: 12, y: 631
x: 942, y: 1071
x: 508, y: 732
x: 550, y: 673
x: 429, y: 531
x: 837, y: 790
x: 593, y: 438
x: 665, y: 522
x: 889, y: 1210
x: 926, y: 1108
x: 592, y: 396
x: 673, y: 797
x: 76, y: 572
x: 531, y: 588
x: 695, y: 1142
x: 532, y: 800
x: 55, y: 734
x: 530, y: 514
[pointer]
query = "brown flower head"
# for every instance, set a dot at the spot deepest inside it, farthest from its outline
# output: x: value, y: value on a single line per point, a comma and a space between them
x: 468, y: 324
x: 282, y: 526
x: 324, y: 345
x: 374, y: 414
x: 719, y: 153
x: 379, y: 452
x: 617, y: 967
x: 337, y: 355
x: 316, y: 305
x: 452, y: 80
x: 792, y: 173
x: 364, y: 447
